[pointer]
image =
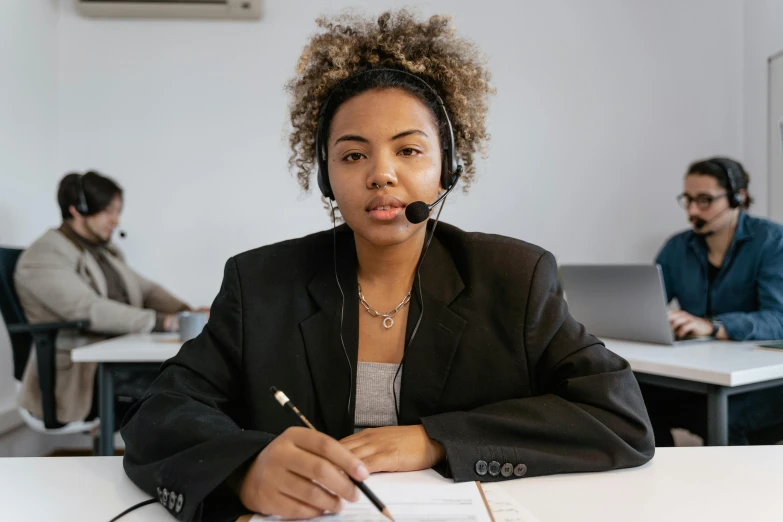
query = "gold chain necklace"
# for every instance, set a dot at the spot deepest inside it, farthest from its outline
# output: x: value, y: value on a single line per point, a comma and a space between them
x: 388, y: 318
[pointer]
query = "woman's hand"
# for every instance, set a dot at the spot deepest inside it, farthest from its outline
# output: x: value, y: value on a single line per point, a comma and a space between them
x: 301, y: 474
x: 395, y: 448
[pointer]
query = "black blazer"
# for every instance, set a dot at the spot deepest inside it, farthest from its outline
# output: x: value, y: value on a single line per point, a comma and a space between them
x: 498, y: 371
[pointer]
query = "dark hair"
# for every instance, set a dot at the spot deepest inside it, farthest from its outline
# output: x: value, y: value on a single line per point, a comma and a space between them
x: 350, y: 43
x: 99, y: 191
x: 718, y: 168
x: 378, y: 80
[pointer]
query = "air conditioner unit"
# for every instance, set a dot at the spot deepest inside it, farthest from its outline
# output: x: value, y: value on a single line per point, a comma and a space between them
x: 239, y: 9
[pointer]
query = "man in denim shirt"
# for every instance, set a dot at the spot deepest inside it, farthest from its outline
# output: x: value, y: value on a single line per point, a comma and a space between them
x: 727, y: 275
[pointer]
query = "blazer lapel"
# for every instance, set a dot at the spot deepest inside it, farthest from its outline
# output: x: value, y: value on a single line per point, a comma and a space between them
x: 427, y: 359
x: 321, y: 335
x: 135, y: 295
x: 429, y: 356
x: 86, y: 265
x: 92, y: 272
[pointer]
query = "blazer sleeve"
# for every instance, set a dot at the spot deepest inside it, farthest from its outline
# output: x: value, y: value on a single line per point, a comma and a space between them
x: 183, y: 436
x: 46, y: 276
x: 586, y: 412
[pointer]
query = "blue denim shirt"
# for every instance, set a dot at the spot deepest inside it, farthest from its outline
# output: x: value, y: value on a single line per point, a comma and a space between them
x: 747, y: 293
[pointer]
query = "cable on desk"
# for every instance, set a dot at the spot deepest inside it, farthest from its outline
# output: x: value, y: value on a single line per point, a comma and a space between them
x: 133, y: 508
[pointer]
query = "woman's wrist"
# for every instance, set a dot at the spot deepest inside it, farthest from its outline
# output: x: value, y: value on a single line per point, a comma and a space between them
x: 435, y: 450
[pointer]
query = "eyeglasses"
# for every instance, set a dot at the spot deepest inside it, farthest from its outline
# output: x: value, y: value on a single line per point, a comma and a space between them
x: 703, y: 201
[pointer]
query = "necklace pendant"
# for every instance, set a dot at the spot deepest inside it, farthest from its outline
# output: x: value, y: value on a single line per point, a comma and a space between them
x: 388, y: 322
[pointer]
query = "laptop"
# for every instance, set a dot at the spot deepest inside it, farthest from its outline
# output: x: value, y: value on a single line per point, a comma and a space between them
x: 619, y: 301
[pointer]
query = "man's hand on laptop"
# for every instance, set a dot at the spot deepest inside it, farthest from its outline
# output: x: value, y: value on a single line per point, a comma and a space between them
x: 686, y: 325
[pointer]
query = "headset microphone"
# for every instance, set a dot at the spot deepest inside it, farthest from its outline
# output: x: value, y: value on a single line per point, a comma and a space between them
x: 418, y: 211
x: 700, y: 223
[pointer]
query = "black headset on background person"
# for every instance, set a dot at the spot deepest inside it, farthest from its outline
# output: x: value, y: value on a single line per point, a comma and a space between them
x: 736, y: 179
x: 81, y: 205
x: 81, y: 199
x: 450, y: 170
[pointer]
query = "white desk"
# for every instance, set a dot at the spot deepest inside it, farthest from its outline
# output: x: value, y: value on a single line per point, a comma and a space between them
x: 125, y: 352
x: 718, y: 369
x: 679, y: 485
x: 720, y: 363
x: 715, y: 368
x: 713, y: 362
x: 133, y: 348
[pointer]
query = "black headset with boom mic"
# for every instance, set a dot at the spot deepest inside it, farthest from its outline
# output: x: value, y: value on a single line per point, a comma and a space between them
x: 451, y: 171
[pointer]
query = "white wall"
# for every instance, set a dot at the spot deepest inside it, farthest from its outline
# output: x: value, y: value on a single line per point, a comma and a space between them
x: 763, y: 37
x: 600, y: 107
x: 28, y: 116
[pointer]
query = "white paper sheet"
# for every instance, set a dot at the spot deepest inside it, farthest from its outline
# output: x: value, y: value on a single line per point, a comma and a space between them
x: 414, y: 497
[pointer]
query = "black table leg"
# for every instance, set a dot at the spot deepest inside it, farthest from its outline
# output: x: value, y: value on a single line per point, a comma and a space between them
x: 717, y: 416
x: 106, y: 410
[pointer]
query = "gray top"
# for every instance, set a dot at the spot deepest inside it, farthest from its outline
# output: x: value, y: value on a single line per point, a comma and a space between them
x: 374, y: 398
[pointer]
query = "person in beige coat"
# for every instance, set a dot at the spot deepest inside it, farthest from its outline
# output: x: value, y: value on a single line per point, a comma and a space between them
x: 75, y: 272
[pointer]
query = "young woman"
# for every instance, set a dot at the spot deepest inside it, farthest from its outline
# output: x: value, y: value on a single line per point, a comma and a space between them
x: 409, y: 344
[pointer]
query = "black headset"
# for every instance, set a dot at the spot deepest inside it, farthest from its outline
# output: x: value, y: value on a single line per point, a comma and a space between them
x: 450, y: 170
x: 728, y: 167
x: 81, y: 204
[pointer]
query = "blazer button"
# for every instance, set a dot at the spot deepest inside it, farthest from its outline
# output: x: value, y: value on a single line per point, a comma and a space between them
x: 172, y: 500
x: 507, y: 470
x: 164, y: 497
x: 180, y: 502
x: 520, y: 470
x: 481, y: 467
x: 494, y: 468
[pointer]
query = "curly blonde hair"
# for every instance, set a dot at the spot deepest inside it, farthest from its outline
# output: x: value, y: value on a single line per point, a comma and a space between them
x: 349, y: 43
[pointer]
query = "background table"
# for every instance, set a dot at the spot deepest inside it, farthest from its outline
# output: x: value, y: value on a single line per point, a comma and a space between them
x: 126, y: 352
x: 717, y: 369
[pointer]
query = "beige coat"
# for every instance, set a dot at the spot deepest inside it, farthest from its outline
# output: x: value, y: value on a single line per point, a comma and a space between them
x: 56, y: 280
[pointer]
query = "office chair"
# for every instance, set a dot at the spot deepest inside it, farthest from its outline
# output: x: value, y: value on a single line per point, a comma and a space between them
x: 23, y: 337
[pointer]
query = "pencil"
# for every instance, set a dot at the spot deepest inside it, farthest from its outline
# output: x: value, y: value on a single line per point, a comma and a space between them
x: 285, y: 402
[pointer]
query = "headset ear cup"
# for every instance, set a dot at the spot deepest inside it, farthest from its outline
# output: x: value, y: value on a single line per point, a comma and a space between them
x: 81, y: 205
x: 323, y: 173
x: 450, y: 170
x: 731, y: 168
x: 446, y: 177
x: 323, y: 183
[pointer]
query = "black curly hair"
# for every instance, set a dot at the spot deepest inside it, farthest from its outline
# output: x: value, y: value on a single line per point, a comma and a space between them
x: 349, y: 44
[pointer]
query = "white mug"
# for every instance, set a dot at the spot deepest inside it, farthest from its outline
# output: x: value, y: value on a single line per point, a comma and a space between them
x: 191, y: 324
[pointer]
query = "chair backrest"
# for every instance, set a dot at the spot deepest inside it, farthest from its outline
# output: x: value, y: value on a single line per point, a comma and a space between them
x: 8, y: 386
x: 12, y: 310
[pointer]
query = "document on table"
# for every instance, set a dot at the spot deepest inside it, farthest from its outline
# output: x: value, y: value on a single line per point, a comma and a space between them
x: 504, y: 507
x: 430, y: 500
